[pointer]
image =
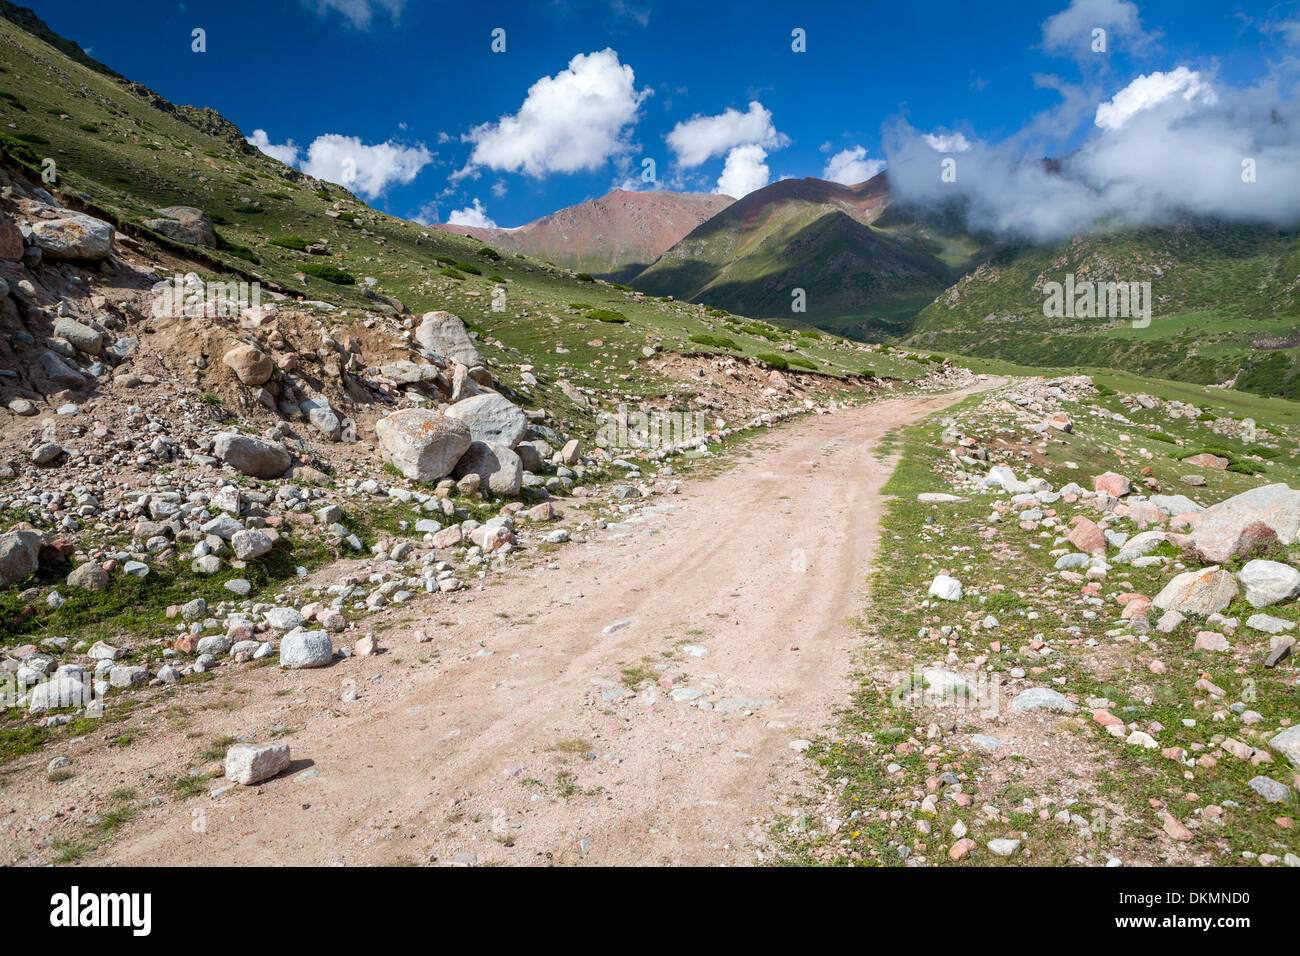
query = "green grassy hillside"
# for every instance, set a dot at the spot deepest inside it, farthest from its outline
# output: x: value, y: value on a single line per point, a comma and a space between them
x: 1225, y: 306
x: 863, y: 269
x: 123, y: 151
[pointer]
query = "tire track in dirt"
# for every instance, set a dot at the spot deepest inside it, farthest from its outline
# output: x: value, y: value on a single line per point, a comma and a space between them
x: 520, y: 744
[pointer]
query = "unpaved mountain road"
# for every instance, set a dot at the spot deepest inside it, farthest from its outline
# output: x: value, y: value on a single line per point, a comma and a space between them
x: 511, y: 737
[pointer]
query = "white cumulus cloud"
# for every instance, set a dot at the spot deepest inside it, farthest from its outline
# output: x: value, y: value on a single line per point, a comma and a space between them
x: 367, y: 170
x: 947, y: 142
x: 851, y: 166
x: 286, y: 153
x: 744, y: 171
x: 473, y: 215
x: 1181, y: 87
x: 702, y: 137
x: 572, y: 121
x: 1071, y: 29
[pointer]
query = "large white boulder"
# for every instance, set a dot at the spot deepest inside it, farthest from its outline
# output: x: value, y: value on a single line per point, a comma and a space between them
x: 491, y: 418
x: 1269, y: 582
x: 20, y: 553
x: 251, y: 543
x: 306, y: 649
x: 946, y: 588
x: 423, y: 444
x: 1200, y: 593
x: 1287, y: 743
x: 248, y: 764
x: 1225, y: 530
x: 74, y: 236
x: 443, y: 333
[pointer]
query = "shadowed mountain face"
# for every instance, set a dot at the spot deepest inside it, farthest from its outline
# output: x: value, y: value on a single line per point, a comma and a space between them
x: 857, y: 266
x: 614, y: 236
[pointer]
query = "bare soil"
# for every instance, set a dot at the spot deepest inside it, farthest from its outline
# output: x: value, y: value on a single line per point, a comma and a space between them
x: 537, y: 725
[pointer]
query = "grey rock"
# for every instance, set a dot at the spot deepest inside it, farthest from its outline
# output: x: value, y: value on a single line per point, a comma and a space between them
x: 251, y: 543
x: 252, y: 456
x: 283, y: 618
x: 185, y: 224
x: 1270, y: 789
x: 306, y: 649
x: 101, y: 651
x: 424, y: 445
x: 19, y: 555
x: 323, y: 418
x: 491, y: 418
x: 216, y: 645
x: 1176, y: 504
x: 83, y: 337
x: 59, y: 692
x: 58, y: 370
x: 1269, y: 582
x: 46, y: 453
x: 499, y: 469
x: 223, y: 526
x: 529, y: 457
x: 1042, y: 698
x: 1287, y: 743
x: 208, y: 564
x: 1267, y: 624
x: 75, y: 236
x: 443, y: 333
x: 127, y: 675
x: 247, y: 764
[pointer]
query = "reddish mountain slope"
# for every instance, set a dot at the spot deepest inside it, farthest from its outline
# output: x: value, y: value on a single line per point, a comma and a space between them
x: 617, y: 235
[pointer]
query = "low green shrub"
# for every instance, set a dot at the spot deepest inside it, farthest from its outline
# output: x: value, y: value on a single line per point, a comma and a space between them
x: 714, y: 341
x: 329, y: 273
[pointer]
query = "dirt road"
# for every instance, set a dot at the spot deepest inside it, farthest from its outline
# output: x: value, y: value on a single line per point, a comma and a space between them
x: 514, y: 737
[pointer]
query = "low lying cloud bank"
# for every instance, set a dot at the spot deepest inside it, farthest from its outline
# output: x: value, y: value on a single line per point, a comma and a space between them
x: 1167, y: 146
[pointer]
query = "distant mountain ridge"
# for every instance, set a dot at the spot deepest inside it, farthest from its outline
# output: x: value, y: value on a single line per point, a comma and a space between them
x: 615, y: 236
x: 852, y: 254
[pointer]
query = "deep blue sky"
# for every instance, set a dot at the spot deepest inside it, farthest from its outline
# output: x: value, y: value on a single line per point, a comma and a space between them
x: 300, y: 69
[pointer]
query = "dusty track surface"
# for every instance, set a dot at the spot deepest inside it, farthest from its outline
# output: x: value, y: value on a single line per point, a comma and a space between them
x: 513, y: 736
